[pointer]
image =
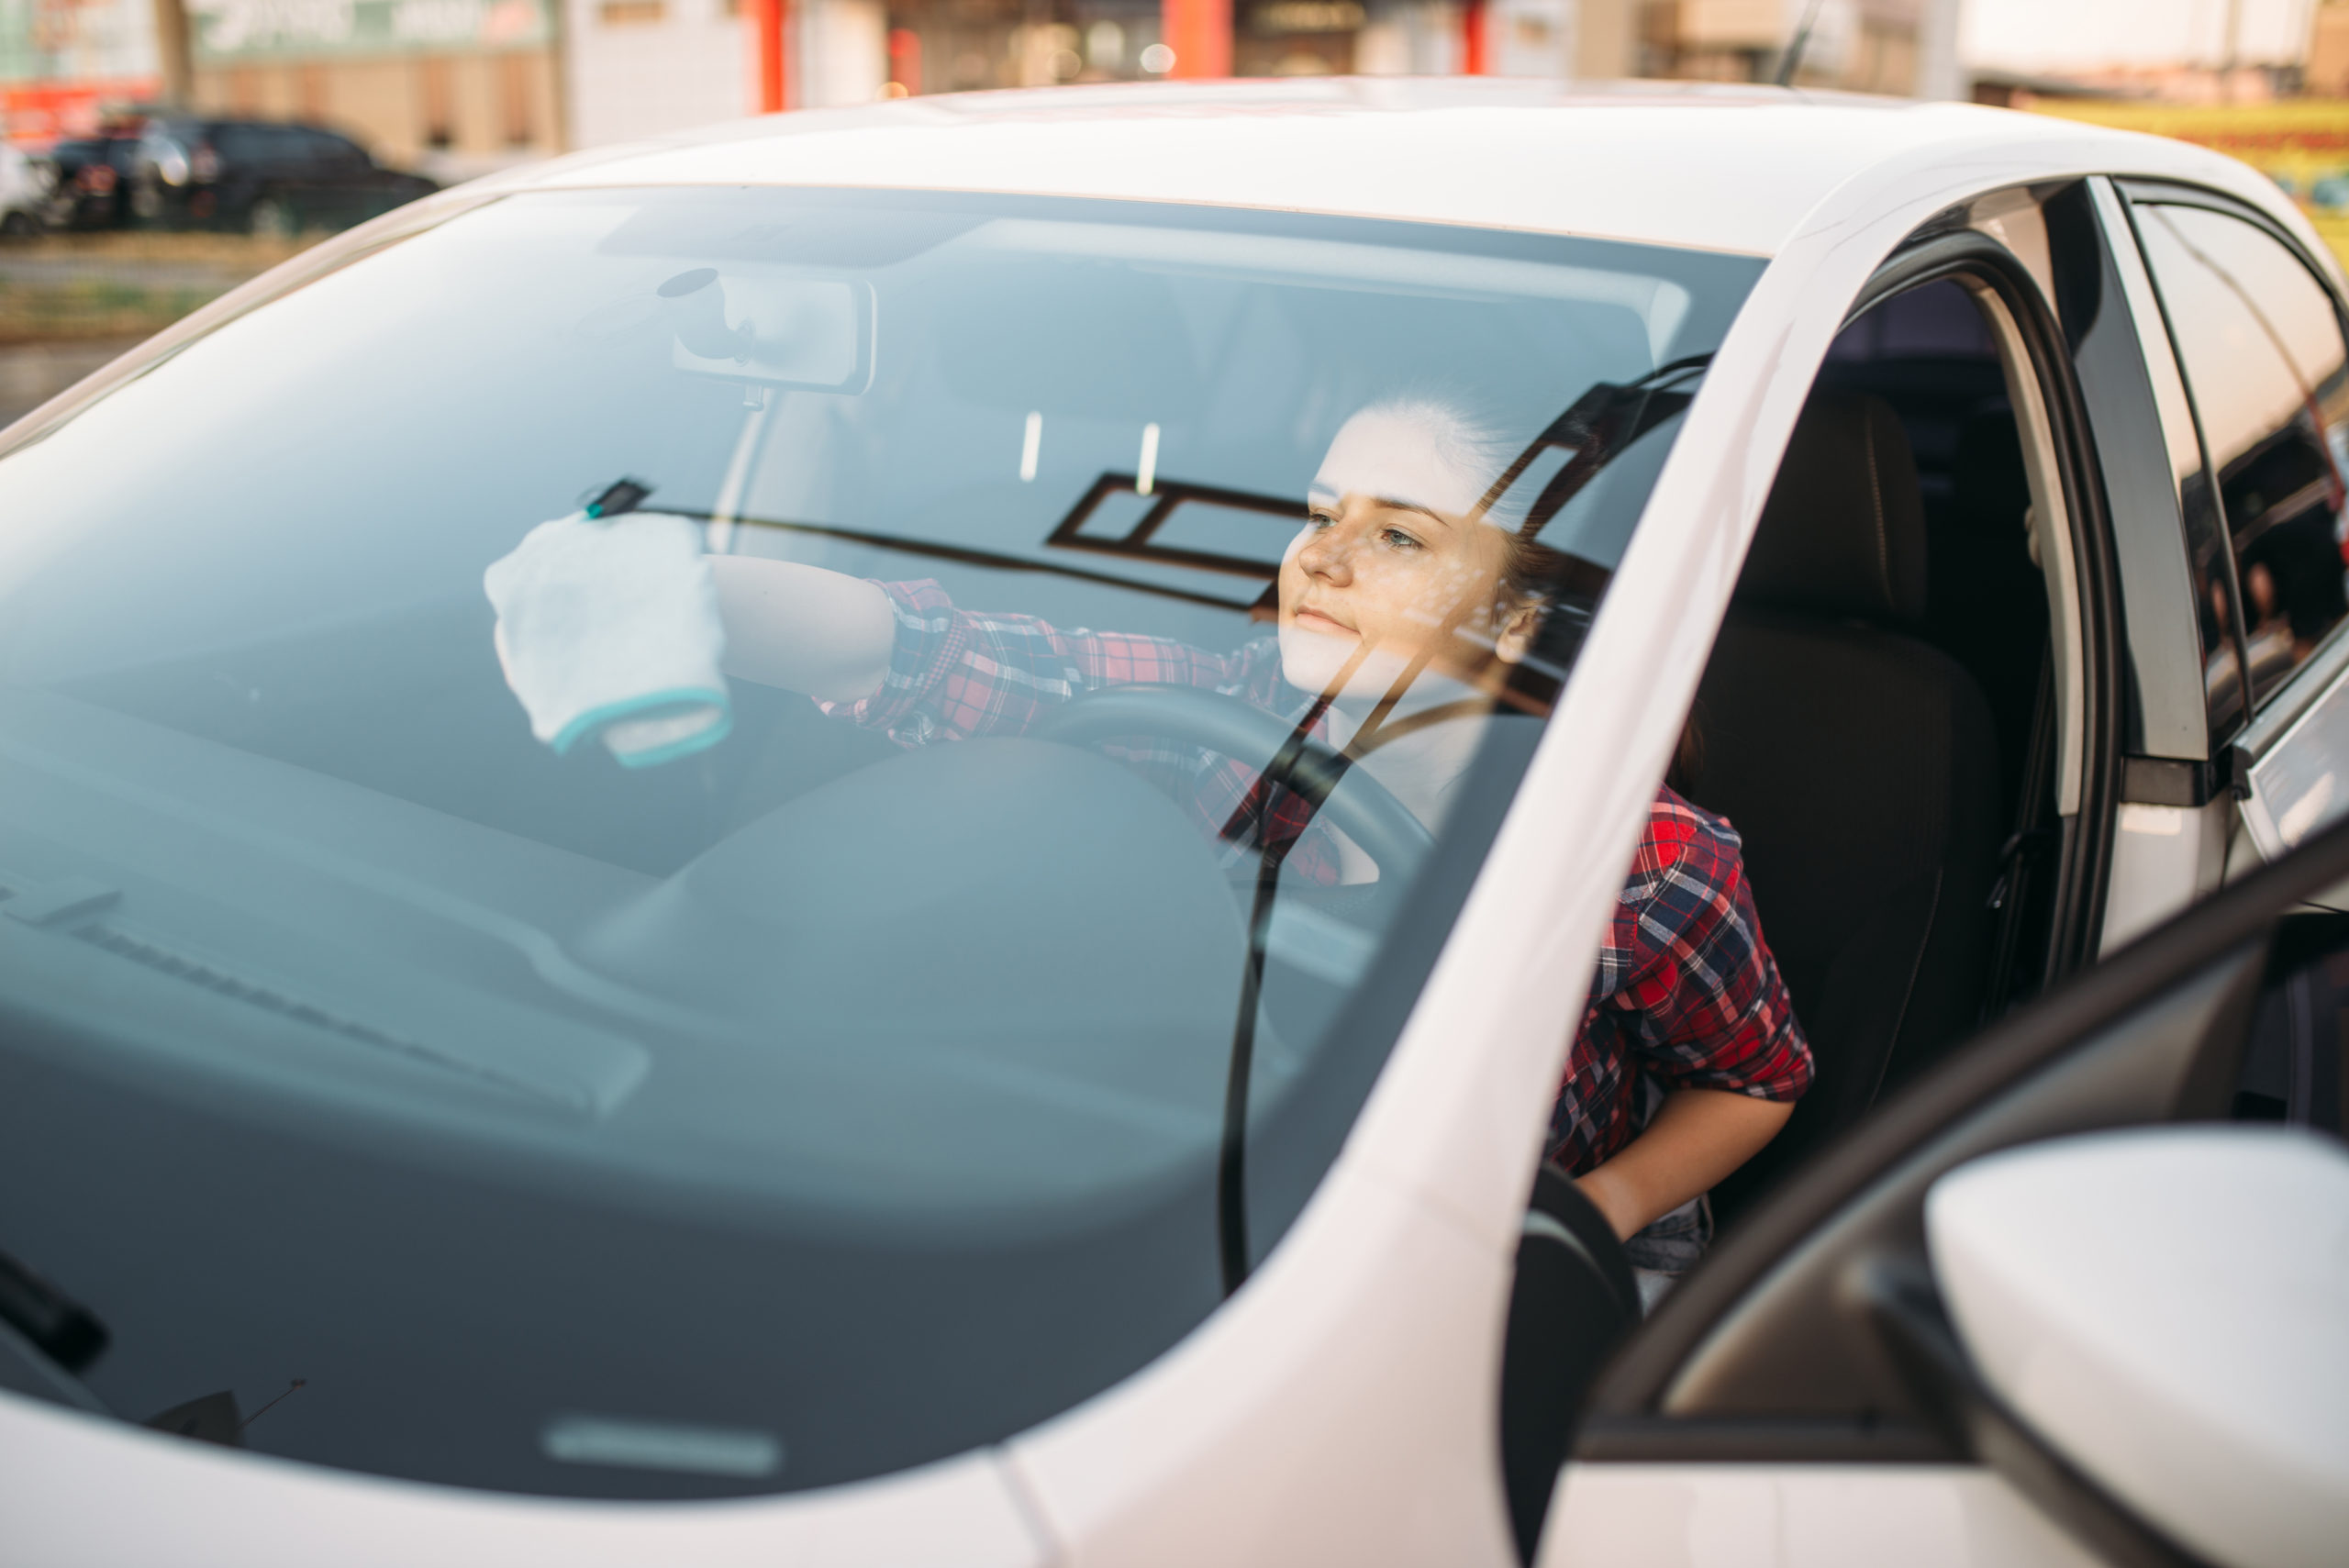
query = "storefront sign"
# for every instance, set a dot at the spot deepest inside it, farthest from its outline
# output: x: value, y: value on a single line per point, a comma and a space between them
x: 230, y: 31
x: 2302, y: 144
x: 37, y: 114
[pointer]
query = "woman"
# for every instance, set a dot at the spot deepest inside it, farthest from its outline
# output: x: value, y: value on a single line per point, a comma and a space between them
x: 1407, y: 598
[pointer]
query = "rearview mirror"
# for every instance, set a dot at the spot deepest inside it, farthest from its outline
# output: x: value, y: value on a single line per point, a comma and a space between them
x: 785, y: 331
x: 2168, y: 1310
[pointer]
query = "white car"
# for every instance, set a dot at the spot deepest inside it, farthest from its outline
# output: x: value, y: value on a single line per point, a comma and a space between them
x: 463, y: 1101
x: 26, y: 184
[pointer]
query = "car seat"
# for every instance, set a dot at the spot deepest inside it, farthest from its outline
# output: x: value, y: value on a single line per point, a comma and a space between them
x: 1859, y: 764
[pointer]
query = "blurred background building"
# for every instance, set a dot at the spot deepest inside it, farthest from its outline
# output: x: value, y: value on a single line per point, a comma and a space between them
x: 63, y: 66
x: 97, y: 96
x: 454, y: 87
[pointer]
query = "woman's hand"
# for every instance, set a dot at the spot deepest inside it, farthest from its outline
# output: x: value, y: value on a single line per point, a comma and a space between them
x: 1698, y: 1135
x: 803, y: 627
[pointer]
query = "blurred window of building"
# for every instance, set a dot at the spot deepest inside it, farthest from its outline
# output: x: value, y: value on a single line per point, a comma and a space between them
x: 1297, y: 38
x: 419, y: 82
x: 2327, y: 71
x: 633, y: 69
x: 1862, y: 46
x: 438, y: 97
x: 519, y: 88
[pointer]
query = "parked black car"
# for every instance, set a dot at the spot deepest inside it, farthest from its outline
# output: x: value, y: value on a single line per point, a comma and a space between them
x: 271, y: 178
x: 94, y: 180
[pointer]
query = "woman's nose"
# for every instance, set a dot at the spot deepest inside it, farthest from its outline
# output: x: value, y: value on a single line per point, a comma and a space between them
x: 1327, y: 552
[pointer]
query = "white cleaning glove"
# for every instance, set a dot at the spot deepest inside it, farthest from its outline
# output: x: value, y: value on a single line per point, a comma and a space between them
x: 610, y: 628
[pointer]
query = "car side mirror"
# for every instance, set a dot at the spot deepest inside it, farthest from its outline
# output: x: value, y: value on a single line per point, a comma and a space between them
x: 2168, y: 1311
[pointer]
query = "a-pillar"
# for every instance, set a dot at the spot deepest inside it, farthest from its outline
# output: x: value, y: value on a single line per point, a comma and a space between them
x: 1200, y: 32
x: 767, y: 30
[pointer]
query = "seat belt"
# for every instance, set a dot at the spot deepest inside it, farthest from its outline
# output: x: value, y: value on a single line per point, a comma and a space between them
x: 2010, y: 889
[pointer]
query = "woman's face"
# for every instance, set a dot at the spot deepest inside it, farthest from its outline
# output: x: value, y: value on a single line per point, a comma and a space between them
x: 1391, y: 564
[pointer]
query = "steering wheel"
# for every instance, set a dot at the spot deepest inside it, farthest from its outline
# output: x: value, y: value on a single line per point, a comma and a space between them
x: 1364, y: 811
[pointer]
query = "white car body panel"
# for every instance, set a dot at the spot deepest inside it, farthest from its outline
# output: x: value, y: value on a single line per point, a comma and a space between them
x: 1738, y: 170
x: 1799, y: 1516
x: 1342, y: 1407
x: 78, y: 1489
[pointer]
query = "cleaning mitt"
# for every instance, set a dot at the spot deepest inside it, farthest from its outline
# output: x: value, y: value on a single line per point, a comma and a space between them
x: 608, y: 626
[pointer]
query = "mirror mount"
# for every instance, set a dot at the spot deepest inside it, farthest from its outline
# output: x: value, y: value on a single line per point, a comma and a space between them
x: 1913, y: 1329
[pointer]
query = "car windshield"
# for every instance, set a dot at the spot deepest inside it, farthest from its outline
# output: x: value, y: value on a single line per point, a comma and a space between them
x: 671, y: 842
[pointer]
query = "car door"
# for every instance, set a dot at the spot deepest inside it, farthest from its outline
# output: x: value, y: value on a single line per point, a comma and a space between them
x: 1802, y: 1399
x: 2256, y: 332
x: 1758, y: 1438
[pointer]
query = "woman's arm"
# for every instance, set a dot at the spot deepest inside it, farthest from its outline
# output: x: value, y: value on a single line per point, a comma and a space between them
x: 1698, y: 1136
x: 803, y: 628
x: 1714, y: 1022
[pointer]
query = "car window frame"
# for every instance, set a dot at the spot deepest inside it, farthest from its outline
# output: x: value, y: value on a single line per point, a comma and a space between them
x: 2127, y: 378
x: 2301, y: 689
x: 1957, y: 246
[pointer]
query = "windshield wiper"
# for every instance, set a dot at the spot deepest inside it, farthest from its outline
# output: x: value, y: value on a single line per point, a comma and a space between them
x: 46, y: 1338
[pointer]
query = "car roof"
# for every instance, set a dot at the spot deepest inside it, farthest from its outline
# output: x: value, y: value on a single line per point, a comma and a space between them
x: 1729, y: 168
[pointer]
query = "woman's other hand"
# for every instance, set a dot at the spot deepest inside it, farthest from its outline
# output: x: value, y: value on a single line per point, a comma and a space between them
x: 1698, y: 1137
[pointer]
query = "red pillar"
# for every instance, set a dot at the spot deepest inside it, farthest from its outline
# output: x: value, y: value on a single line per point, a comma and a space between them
x: 1474, y: 60
x: 905, y: 61
x: 1200, y: 32
x: 765, y: 22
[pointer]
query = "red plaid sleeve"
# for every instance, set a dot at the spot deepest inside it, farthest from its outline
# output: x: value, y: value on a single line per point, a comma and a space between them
x: 1713, y: 1013
x: 1687, y: 991
x: 955, y: 674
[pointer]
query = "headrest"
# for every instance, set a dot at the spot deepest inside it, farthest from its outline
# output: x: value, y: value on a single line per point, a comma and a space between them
x: 1843, y: 534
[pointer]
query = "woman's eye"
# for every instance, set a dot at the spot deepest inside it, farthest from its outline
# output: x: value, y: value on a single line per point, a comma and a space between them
x: 1399, y: 540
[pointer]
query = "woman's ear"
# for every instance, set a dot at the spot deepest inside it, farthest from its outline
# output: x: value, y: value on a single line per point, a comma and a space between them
x: 1520, y: 616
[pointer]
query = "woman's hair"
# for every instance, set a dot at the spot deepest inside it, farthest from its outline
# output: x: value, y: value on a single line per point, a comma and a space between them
x: 1565, y: 588
x: 1478, y: 443
x: 1463, y: 434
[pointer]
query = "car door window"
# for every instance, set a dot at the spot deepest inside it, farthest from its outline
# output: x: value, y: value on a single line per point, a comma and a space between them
x: 241, y: 144
x: 2259, y: 340
x: 290, y: 147
x: 331, y: 154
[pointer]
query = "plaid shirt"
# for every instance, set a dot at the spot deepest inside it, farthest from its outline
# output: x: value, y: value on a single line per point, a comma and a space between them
x: 1686, y: 994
